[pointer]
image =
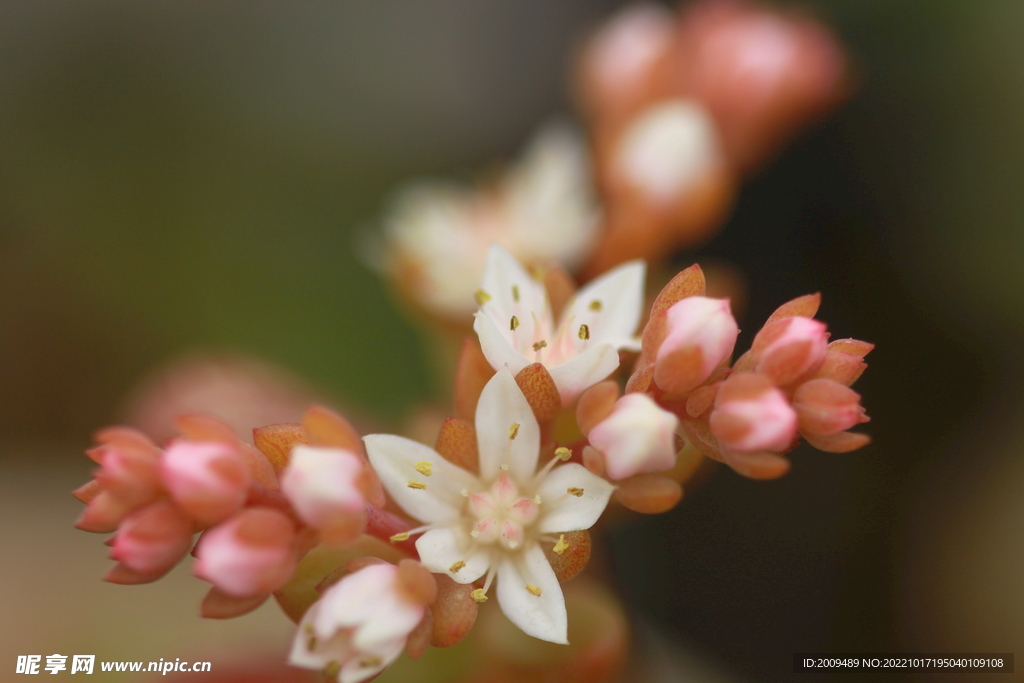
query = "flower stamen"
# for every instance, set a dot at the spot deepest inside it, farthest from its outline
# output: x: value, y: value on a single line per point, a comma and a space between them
x: 561, y: 546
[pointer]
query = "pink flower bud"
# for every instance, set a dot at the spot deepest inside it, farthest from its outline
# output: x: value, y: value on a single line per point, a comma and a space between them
x: 701, y: 335
x: 131, y: 475
x: 752, y: 416
x: 844, y: 361
x: 788, y: 349
x: 102, y: 514
x: 618, y: 63
x: 324, y: 487
x: 637, y: 437
x: 152, y: 540
x: 208, y: 480
x: 764, y: 74
x: 250, y: 554
x: 825, y: 407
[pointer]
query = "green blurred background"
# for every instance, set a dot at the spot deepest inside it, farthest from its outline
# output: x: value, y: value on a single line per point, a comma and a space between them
x: 182, y: 176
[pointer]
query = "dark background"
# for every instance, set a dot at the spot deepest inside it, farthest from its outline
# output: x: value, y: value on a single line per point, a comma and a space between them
x: 188, y: 175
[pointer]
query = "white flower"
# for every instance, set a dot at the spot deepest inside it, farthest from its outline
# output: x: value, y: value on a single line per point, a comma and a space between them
x: 360, y: 625
x: 638, y: 436
x: 542, y: 210
x: 493, y: 524
x: 516, y: 327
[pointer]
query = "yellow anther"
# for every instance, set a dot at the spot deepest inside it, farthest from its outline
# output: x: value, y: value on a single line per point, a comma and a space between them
x: 513, y: 324
x: 454, y: 569
x: 503, y: 467
x: 479, y: 595
x: 533, y: 590
x: 563, y: 453
x: 512, y: 545
x: 417, y: 485
x: 515, y: 293
x: 539, y: 345
x: 572, y: 490
x: 370, y: 661
x: 513, y: 431
x: 536, y: 499
x: 311, y: 642
x: 561, y: 546
x: 482, y: 297
x: 425, y: 468
x: 331, y: 670
x: 584, y: 332
x: 474, y: 533
x: 404, y: 536
x: 595, y: 305
x: 465, y: 493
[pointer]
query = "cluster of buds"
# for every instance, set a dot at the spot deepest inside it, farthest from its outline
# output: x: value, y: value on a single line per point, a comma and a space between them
x: 792, y: 382
x: 237, y: 497
x: 681, y: 105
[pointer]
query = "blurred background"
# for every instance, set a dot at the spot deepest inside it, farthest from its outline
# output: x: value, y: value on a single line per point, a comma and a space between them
x: 185, y: 178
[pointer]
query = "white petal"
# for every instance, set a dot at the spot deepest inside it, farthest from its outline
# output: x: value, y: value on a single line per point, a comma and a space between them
x: 353, y: 600
x: 356, y: 670
x: 497, y: 349
x: 327, y: 649
x: 501, y: 405
x: 501, y: 275
x: 541, y: 616
x: 584, y: 371
x: 571, y: 513
x: 439, y: 549
x: 393, y: 619
x: 394, y: 458
x: 620, y: 293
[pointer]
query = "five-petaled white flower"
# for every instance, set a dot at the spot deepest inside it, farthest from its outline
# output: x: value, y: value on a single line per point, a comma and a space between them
x: 493, y: 524
x: 516, y: 327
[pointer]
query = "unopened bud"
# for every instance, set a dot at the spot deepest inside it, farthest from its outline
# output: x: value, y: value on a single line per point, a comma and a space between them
x: 323, y: 485
x: 208, y: 480
x: 751, y: 415
x: 791, y: 348
x: 617, y: 64
x: 637, y: 437
x: 701, y: 335
x: 250, y: 554
x: 825, y: 407
x: 153, y: 540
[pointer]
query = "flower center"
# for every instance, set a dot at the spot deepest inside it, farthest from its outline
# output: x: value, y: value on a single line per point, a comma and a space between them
x: 501, y: 515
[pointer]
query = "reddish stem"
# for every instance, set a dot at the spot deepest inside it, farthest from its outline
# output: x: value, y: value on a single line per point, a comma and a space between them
x: 383, y: 525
